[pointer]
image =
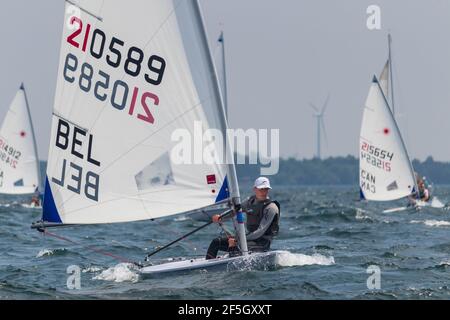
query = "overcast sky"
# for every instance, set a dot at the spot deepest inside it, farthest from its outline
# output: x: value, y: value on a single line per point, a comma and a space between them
x: 281, y: 55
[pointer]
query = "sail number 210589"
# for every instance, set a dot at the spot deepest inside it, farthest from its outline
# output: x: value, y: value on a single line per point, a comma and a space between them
x: 121, y: 95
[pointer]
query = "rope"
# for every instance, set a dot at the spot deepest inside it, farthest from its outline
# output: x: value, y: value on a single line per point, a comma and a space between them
x: 92, y: 248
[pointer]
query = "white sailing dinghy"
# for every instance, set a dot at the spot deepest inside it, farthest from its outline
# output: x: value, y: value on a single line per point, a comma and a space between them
x: 135, y: 79
x: 385, y: 169
x: 19, y: 162
x: 386, y: 84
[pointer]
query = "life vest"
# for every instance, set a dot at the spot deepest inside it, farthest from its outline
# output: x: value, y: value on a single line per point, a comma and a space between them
x: 422, y: 194
x: 255, y: 213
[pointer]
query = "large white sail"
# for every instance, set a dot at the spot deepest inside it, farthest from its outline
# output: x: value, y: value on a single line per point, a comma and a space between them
x: 385, y: 169
x: 131, y: 73
x: 19, y: 163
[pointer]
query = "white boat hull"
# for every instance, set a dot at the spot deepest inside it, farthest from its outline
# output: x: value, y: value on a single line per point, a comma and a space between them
x: 254, y: 261
x: 433, y: 203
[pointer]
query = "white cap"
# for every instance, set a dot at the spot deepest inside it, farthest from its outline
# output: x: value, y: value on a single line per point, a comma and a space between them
x: 262, y: 183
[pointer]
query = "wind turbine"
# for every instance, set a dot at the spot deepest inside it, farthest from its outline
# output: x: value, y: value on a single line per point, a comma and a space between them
x: 320, y: 124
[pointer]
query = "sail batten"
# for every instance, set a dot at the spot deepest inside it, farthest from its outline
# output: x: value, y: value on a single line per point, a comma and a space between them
x: 130, y: 89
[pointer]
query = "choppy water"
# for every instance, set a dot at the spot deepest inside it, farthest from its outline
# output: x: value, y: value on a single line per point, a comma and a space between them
x: 330, y: 239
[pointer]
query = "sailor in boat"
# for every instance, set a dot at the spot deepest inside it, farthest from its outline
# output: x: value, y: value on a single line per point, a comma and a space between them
x: 263, y: 215
x: 423, y: 192
x: 36, y: 199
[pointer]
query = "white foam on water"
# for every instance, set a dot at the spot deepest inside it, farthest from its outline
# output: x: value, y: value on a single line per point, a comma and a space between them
x: 30, y: 206
x: 360, y: 214
x: 92, y: 269
x: 433, y: 223
x: 436, y: 203
x: 181, y: 218
x: 288, y: 259
x: 44, y: 252
x: 445, y: 263
x: 119, y: 273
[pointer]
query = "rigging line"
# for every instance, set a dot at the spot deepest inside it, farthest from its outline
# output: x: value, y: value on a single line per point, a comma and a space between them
x: 92, y: 248
x: 137, y: 199
x: 163, y: 23
x: 186, y: 235
x: 190, y: 244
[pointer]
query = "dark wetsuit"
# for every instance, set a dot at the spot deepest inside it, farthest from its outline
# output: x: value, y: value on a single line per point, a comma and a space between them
x: 262, y: 224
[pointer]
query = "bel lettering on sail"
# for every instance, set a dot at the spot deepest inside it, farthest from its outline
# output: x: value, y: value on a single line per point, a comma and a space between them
x: 80, y: 181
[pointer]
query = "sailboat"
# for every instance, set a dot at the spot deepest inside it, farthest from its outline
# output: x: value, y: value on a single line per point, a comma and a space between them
x: 385, y: 170
x: 383, y: 178
x: 19, y: 162
x: 132, y: 85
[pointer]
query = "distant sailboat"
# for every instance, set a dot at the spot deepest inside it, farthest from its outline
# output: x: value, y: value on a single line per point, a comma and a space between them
x: 19, y: 162
x: 127, y: 80
x: 404, y: 166
x: 385, y: 171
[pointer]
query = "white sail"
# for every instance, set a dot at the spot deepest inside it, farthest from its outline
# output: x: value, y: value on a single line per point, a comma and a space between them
x: 131, y: 74
x: 19, y: 163
x: 385, y: 169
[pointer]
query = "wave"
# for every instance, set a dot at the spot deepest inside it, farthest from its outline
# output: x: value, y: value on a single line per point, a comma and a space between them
x: 123, y: 272
x: 433, y: 223
x: 49, y: 252
x: 288, y: 259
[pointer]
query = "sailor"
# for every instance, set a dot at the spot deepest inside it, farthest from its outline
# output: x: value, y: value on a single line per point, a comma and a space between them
x: 35, y: 199
x: 424, y: 193
x: 263, y: 215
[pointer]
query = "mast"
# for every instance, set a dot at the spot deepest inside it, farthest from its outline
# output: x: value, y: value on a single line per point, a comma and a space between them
x: 232, y: 177
x: 22, y: 87
x: 225, y: 89
x: 411, y: 169
x: 391, y: 74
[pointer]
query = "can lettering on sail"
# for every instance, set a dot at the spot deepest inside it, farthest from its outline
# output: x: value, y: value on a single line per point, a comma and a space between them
x: 367, y: 181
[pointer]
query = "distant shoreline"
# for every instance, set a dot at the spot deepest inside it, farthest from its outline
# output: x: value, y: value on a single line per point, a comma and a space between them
x: 333, y: 171
x: 336, y: 171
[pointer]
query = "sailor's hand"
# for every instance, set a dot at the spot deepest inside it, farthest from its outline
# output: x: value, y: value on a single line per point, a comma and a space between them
x: 232, y: 242
x: 216, y: 218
